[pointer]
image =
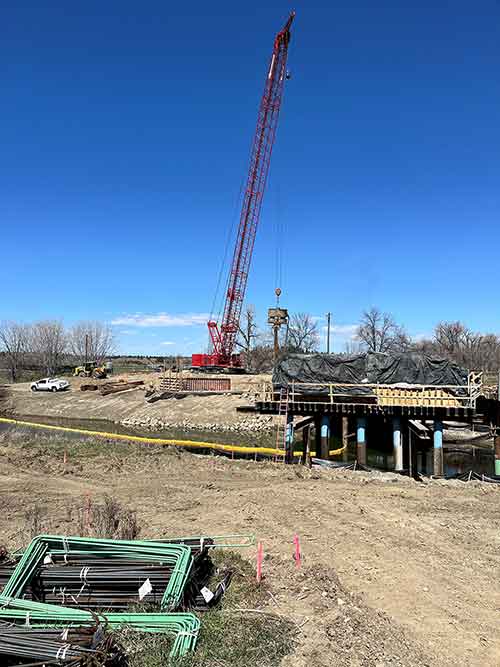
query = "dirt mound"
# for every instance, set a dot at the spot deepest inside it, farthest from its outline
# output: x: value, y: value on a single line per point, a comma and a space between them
x: 338, y: 628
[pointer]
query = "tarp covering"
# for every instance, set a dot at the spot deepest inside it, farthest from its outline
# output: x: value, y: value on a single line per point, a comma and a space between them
x: 409, y: 368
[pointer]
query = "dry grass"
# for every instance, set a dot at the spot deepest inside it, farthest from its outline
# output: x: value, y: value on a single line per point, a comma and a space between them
x: 236, y: 634
x: 230, y: 636
x: 108, y: 519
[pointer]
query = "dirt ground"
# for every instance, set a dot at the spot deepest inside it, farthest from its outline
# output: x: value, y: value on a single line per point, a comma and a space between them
x: 217, y: 412
x: 395, y: 572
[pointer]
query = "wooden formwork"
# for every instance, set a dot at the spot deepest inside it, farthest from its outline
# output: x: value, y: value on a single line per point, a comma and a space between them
x: 434, y: 397
x: 180, y: 384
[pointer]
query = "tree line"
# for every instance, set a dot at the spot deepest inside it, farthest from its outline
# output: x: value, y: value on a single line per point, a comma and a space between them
x: 377, y: 331
x: 48, y: 345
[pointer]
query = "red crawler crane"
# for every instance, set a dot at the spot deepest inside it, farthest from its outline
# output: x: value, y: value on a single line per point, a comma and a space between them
x: 223, y: 339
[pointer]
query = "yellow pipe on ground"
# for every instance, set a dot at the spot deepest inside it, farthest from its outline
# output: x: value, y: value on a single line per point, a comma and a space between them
x: 216, y: 446
x: 237, y: 449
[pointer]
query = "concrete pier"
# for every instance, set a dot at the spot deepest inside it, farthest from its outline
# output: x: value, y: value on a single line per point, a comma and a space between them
x: 361, y: 440
x: 345, y: 438
x: 317, y: 436
x: 289, y: 437
x: 325, y: 437
x: 438, y: 448
x: 497, y: 454
x: 397, y: 444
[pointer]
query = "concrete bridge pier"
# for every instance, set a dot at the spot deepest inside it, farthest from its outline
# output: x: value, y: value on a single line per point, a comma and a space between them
x: 325, y: 437
x: 361, y: 440
x: 289, y: 438
x: 397, y: 444
x: 345, y: 438
x: 497, y: 453
x: 438, y: 448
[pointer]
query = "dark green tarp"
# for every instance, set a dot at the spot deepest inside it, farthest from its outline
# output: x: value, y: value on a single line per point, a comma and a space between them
x: 370, y: 368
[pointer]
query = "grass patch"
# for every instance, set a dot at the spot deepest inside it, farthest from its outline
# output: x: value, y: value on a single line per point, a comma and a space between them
x: 39, y: 442
x: 143, y: 650
x: 230, y: 636
x: 233, y: 637
x: 238, y: 640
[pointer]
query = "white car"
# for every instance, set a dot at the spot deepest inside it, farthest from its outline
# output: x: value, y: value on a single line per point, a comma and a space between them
x: 50, y: 384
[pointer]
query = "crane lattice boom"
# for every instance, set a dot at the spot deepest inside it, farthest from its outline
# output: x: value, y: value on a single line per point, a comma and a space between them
x: 223, y: 338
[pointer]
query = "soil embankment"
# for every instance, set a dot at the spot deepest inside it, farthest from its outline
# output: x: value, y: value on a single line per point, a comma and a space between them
x: 130, y: 408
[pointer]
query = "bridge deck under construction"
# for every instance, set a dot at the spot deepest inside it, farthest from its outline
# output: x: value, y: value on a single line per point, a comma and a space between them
x: 415, y: 401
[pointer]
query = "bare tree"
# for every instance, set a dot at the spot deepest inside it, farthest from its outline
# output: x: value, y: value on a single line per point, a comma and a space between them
x: 352, y: 347
x: 49, y: 344
x: 14, y: 339
x: 378, y: 332
x: 91, y: 341
x: 262, y: 358
x: 457, y: 342
x: 247, y: 334
x: 303, y: 334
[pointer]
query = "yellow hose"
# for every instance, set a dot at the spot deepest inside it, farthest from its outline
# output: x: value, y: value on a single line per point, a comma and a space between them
x: 216, y: 446
x: 239, y: 449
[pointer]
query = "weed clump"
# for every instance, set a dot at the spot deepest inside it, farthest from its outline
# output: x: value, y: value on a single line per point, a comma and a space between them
x: 109, y: 520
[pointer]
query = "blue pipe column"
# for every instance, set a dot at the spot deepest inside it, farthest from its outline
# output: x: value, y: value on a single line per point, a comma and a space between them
x: 397, y: 444
x: 438, y: 448
x: 289, y: 437
x: 361, y: 440
x: 325, y: 437
x: 497, y: 451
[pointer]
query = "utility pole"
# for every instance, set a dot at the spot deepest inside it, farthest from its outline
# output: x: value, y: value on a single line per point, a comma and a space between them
x: 86, y: 348
x: 328, y: 318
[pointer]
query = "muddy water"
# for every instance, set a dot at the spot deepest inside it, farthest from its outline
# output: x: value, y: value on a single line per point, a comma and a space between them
x: 198, y: 435
x: 458, y: 458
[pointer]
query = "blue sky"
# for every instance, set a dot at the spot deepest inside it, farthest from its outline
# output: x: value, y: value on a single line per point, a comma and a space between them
x: 125, y: 136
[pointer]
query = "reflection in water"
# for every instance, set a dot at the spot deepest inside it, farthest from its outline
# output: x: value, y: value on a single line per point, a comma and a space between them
x: 198, y: 435
x: 458, y: 458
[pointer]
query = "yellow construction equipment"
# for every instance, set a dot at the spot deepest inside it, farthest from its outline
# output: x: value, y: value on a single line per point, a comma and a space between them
x: 91, y: 369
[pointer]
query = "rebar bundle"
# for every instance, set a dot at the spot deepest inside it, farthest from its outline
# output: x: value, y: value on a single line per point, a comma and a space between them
x: 60, y: 589
x: 184, y: 628
x: 72, y: 647
x: 45, y: 550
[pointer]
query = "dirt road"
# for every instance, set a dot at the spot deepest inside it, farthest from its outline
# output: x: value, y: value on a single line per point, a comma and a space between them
x: 417, y: 564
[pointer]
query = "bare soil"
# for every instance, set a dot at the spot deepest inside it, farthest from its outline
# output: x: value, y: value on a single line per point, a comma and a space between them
x: 395, y: 572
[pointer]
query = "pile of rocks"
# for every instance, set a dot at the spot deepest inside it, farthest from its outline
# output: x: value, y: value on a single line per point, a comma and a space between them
x: 253, y: 424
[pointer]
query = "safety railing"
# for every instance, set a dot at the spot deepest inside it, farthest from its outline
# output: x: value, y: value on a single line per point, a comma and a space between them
x: 400, y: 394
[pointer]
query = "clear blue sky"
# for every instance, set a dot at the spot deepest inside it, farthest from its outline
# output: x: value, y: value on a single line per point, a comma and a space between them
x: 125, y: 131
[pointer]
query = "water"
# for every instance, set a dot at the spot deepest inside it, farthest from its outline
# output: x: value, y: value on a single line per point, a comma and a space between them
x: 458, y: 458
x: 198, y: 435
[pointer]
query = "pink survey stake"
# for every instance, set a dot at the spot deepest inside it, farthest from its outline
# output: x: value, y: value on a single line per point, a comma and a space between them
x: 260, y: 552
x: 297, y: 554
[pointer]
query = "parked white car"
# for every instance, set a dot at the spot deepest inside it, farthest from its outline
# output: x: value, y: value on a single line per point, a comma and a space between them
x: 50, y: 384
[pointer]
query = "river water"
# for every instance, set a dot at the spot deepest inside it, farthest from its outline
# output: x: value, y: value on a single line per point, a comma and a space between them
x: 458, y: 458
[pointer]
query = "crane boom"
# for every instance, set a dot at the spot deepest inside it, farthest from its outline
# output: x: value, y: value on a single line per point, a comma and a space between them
x: 223, y: 338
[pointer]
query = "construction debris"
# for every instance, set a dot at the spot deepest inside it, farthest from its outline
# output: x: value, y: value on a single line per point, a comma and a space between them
x: 122, y: 385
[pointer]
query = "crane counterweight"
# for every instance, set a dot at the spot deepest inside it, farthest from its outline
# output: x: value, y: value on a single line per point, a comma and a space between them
x: 223, y: 338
